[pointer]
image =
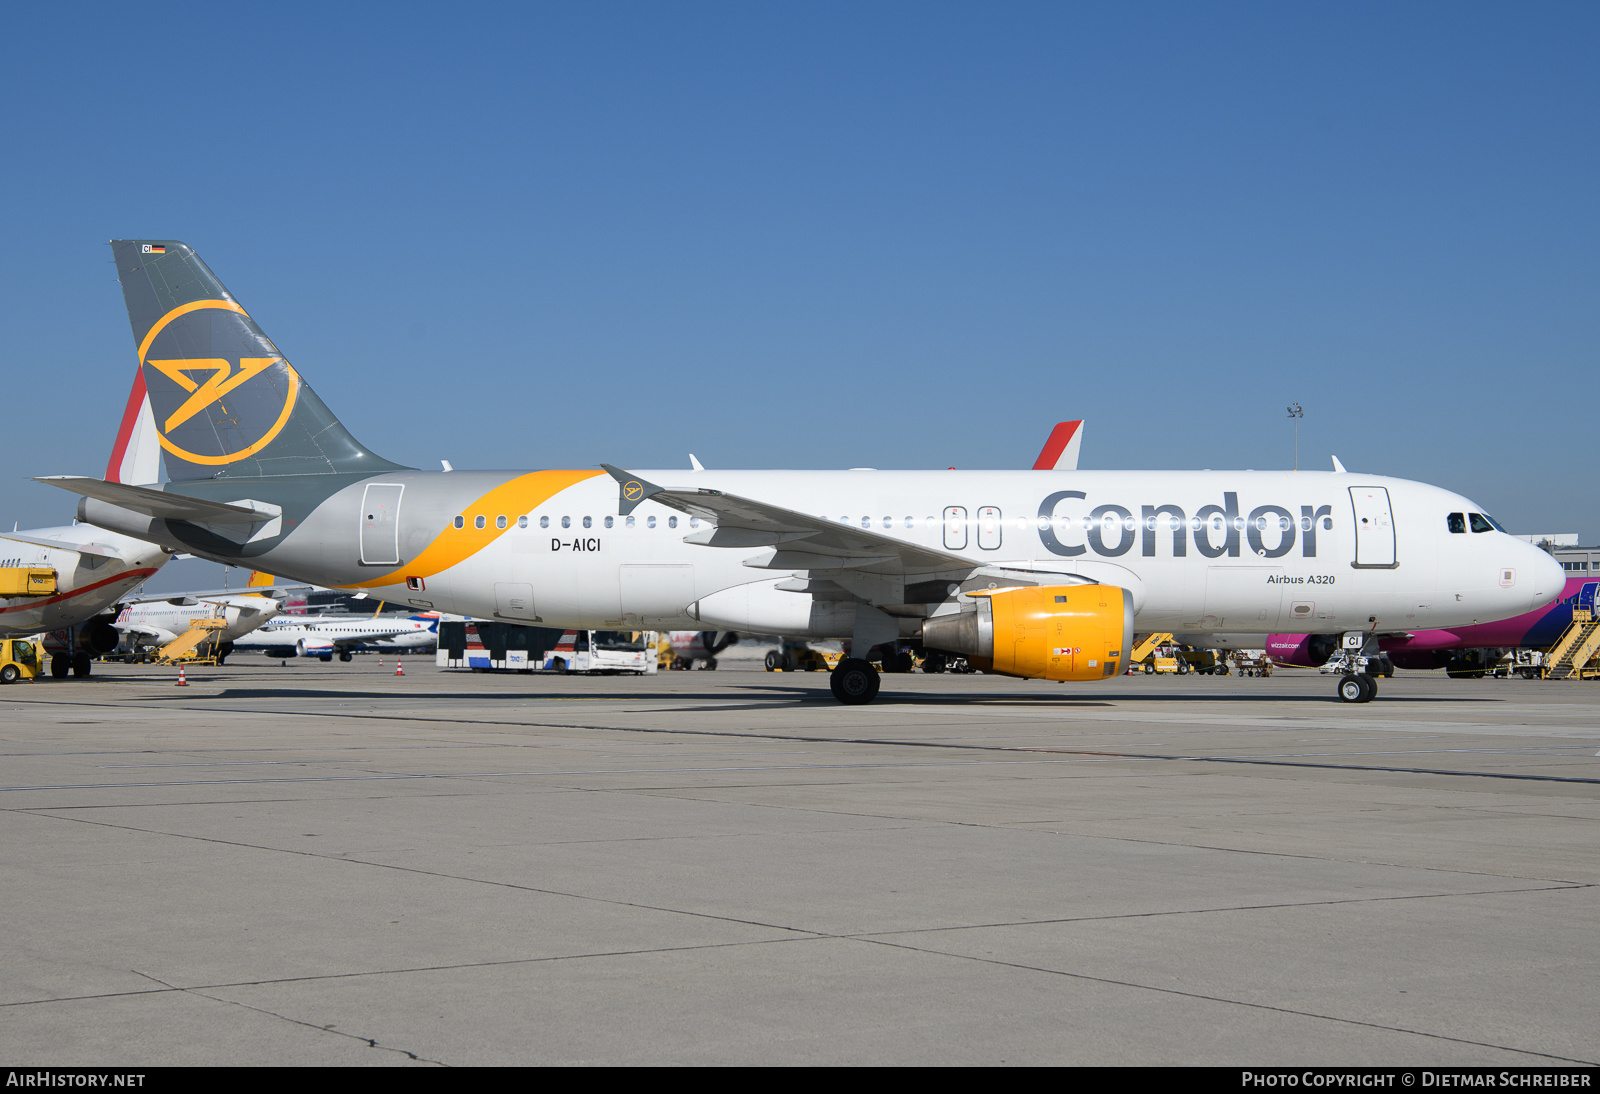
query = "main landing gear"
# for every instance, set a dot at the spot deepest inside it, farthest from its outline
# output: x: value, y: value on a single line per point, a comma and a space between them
x: 854, y: 682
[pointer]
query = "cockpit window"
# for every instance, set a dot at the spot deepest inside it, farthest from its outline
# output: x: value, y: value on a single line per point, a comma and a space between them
x: 1457, y: 522
x: 1480, y: 523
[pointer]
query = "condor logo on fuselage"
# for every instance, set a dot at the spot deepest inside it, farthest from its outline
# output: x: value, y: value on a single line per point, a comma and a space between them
x: 219, y: 409
x: 1271, y: 531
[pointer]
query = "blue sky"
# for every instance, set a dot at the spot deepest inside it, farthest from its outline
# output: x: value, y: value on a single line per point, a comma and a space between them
x: 812, y: 235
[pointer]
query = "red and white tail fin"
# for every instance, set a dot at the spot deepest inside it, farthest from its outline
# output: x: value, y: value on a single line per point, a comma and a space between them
x: 136, y: 457
x: 1060, y: 452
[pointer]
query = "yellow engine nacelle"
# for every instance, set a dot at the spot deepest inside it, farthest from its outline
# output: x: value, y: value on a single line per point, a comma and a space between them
x: 1054, y: 632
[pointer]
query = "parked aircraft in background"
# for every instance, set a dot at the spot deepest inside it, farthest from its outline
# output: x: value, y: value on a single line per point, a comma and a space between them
x: 1041, y: 574
x: 328, y: 636
x: 91, y: 570
x: 159, y: 622
x: 690, y: 648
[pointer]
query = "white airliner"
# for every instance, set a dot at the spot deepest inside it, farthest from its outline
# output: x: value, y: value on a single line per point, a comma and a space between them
x: 327, y: 636
x: 1042, y: 574
x: 94, y: 569
x: 158, y: 622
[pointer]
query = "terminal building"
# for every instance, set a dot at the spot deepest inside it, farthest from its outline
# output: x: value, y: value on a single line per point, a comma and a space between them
x: 1575, y: 559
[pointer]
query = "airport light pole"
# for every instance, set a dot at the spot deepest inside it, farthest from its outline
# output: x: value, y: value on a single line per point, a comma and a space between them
x: 1296, y: 413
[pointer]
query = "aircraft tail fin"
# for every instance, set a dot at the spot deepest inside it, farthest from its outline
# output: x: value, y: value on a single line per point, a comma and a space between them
x: 259, y: 580
x: 223, y: 399
x: 136, y: 455
x: 1060, y: 452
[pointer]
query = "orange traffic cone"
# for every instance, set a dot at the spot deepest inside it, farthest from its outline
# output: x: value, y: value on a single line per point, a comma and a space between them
x: 399, y: 669
x: 182, y: 683
x: 380, y: 660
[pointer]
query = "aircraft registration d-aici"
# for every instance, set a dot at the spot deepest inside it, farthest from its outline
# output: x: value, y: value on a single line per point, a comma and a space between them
x: 1038, y: 574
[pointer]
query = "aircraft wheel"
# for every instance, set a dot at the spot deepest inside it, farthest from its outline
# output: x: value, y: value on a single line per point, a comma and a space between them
x: 934, y: 663
x: 80, y: 664
x: 9, y: 674
x: 59, y: 667
x: 1356, y: 689
x: 343, y: 656
x: 328, y: 660
x: 711, y: 663
x: 854, y: 682
x: 772, y: 661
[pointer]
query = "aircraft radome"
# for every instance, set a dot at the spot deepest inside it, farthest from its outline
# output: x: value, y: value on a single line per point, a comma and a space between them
x: 1043, y: 574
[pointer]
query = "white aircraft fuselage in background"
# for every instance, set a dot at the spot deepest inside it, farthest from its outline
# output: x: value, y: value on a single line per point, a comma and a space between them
x: 94, y: 569
x: 157, y: 622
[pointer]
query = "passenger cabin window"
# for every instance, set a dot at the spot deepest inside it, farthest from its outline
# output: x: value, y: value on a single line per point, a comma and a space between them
x: 588, y: 522
x: 1479, y: 523
x: 461, y: 522
x: 1457, y: 523
x: 672, y: 522
x: 499, y: 522
x: 566, y: 522
x: 628, y: 522
x: 649, y: 522
x: 522, y: 522
x: 477, y: 522
x: 608, y: 521
x: 544, y: 522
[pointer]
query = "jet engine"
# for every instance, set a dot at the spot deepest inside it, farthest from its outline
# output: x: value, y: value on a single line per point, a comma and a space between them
x: 1054, y: 632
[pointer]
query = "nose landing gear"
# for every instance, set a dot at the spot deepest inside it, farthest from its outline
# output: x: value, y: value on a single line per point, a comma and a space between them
x: 1357, y: 688
x: 1358, y: 664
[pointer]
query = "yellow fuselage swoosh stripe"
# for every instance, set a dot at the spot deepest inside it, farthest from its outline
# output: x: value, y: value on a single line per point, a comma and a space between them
x: 453, y: 545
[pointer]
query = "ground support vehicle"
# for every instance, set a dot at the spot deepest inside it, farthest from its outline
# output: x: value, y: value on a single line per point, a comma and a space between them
x: 1528, y: 664
x: 20, y: 659
x: 798, y: 657
x: 1251, y: 663
x: 490, y: 646
x: 1205, y: 662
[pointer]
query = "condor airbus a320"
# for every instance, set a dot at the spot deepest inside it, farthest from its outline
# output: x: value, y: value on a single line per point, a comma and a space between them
x: 1041, y: 574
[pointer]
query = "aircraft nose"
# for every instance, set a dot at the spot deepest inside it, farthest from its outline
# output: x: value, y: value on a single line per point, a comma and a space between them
x: 1547, y: 576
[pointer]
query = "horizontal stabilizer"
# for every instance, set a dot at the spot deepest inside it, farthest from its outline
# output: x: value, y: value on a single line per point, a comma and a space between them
x: 62, y: 545
x: 158, y: 503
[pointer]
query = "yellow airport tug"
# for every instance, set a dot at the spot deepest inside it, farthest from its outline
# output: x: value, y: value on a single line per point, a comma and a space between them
x: 20, y: 659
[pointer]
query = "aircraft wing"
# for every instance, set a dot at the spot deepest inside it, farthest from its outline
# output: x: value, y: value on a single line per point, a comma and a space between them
x: 799, y: 541
x: 148, y: 632
x: 62, y: 545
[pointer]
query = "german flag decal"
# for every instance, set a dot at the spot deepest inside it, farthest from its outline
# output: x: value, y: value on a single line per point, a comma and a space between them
x: 154, y: 249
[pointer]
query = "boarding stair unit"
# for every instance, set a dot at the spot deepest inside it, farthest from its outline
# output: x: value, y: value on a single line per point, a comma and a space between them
x: 184, y: 647
x: 1569, y: 658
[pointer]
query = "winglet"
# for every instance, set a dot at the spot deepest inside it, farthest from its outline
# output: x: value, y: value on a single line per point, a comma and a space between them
x: 1060, y: 452
x: 631, y: 489
x: 1339, y: 467
x: 696, y: 464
